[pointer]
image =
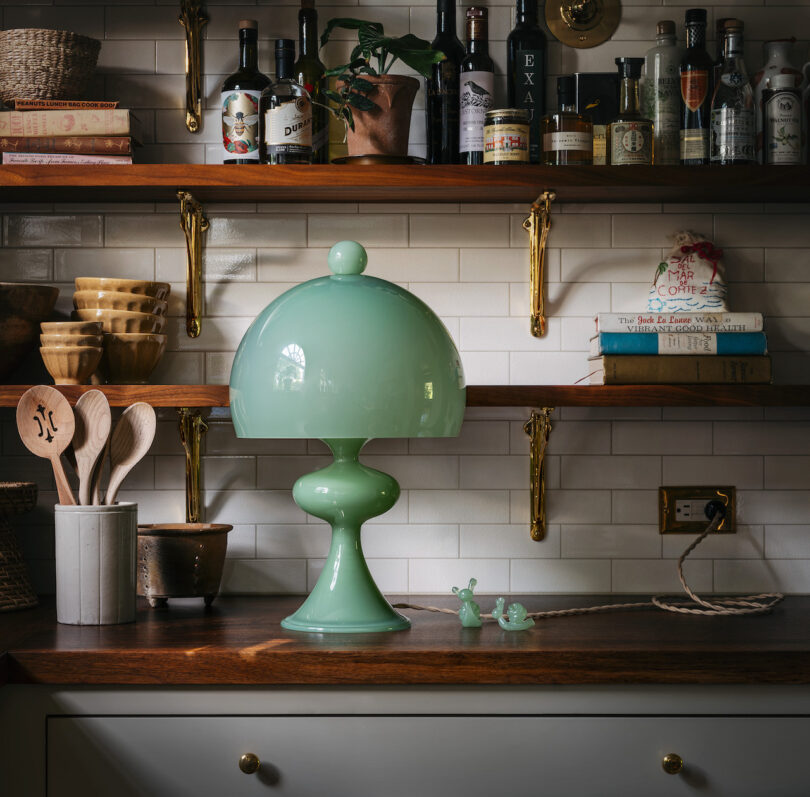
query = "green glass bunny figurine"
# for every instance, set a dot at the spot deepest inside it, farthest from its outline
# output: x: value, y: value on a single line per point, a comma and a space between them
x: 470, y: 611
x: 516, y: 612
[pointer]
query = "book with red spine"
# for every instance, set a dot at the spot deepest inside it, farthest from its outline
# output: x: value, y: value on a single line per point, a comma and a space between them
x: 83, y: 145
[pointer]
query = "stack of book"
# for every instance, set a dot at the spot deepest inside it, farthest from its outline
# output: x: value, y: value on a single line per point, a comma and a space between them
x: 59, y: 131
x: 678, y: 348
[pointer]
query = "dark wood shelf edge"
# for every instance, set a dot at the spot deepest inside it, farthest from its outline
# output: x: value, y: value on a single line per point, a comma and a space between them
x: 480, y: 395
x: 473, y: 184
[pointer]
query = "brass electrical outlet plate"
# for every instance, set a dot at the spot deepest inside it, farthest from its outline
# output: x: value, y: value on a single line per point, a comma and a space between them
x: 680, y: 509
x: 583, y: 23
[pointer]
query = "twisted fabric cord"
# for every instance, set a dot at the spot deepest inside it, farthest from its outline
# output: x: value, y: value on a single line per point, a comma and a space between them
x: 744, y: 604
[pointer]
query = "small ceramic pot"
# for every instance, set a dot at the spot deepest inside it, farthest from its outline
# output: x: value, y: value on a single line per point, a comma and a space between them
x: 122, y: 320
x: 95, y: 563
x: 71, y: 365
x: 111, y: 300
x: 181, y: 560
x: 157, y: 290
x: 130, y: 358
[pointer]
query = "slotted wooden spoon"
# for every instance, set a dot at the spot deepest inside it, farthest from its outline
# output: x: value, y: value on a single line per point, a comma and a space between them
x: 93, y: 421
x: 131, y: 438
x: 46, y: 426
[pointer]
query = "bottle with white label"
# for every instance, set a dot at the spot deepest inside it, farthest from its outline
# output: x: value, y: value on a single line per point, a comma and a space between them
x: 567, y: 136
x: 733, y: 126
x: 629, y: 135
x: 286, y: 109
x: 477, y: 88
x: 240, y: 100
x: 782, y: 121
x: 661, y: 93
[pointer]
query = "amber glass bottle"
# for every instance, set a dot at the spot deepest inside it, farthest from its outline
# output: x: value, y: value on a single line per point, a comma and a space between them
x: 567, y: 136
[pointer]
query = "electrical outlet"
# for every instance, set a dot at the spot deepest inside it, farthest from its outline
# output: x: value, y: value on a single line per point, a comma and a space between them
x: 682, y: 510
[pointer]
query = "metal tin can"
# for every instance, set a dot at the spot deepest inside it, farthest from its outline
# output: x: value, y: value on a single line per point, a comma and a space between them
x: 506, y: 136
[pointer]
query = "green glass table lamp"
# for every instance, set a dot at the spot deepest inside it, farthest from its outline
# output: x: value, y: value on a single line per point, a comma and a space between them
x: 346, y: 358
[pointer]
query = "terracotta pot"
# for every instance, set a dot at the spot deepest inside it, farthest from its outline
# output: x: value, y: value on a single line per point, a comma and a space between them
x: 384, y: 131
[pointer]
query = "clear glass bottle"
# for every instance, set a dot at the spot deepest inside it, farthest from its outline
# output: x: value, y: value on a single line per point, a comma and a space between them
x: 661, y: 93
x: 567, y: 135
x: 308, y: 72
x: 442, y: 88
x: 629, y: 135
x: 286, y: 110
x: 240, y: 96
x: 526, y: 71
x: 733, y: 128
x: 696, y: 91
x: 782, y: 121
x: 477, y: 88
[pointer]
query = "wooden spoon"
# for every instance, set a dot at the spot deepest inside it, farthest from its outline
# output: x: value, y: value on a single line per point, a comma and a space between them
x: 46, y: 425
x: 93, y: 421
x: 129, y: 443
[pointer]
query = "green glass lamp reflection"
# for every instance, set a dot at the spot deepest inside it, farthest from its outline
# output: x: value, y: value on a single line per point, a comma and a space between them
x: 346, y: 358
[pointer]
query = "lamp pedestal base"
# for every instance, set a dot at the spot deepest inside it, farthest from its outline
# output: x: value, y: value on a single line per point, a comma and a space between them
x: 346, y: 493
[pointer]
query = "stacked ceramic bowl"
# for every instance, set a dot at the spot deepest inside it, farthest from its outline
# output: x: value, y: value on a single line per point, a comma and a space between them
x: 133, y: 316
x: 71, y: 350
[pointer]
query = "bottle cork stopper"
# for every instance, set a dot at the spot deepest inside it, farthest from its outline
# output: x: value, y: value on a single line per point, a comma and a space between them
x: 666, y: 27
x: 250, y: 24
x: 476, y: 12
x: 732, y: 24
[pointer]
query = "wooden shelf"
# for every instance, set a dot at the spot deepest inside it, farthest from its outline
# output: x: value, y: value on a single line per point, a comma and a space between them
x: 482, y: 395
x: 334, y: 183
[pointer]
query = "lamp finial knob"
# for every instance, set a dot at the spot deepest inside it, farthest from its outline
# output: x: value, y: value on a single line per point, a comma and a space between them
x: 347, y: 257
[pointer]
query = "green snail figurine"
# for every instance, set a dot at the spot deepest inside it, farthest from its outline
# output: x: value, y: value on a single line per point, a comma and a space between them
x: 517, y: 614
x: 470, y: 611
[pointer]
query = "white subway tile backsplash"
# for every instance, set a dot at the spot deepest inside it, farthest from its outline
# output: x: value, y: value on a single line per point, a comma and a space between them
x: 560, y: 576
x: 610, y: 542
x: 787, y: 472
x: 744, y: 473
x: 219, y: 265
x: 657, y: 231
x: 762, y: 575
x: 432, y: 230
x: 73, y: 230
x: 656, y: 576
x: 455, y: 299
x: 264, y: 577
x: 87, y: 262
x: 609, y: 472
x: 459, y: 506
x: 660, y: 437
x: 481, y: 540
x: 745, y: 543
x: 371, y: 230
x: 440, y: 575
x: 26, y: 265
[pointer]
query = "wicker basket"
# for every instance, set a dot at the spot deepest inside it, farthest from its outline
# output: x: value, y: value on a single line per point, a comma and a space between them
x: 41, y: 64
x: 15, y: 584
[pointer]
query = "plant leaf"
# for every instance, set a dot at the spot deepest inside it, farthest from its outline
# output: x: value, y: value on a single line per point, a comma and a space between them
x: 348, y: 23
x: 334, y: 96
x: 361, y: 102
x: 358, y: 84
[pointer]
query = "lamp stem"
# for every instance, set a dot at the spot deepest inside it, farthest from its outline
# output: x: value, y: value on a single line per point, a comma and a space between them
x: 346, y: 493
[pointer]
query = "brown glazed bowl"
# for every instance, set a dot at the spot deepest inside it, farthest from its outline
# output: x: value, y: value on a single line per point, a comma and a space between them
x: 112, y: 300
x: 122, y: 320
x: 157, y: 290
x: 22, y: 308
x: 181, y: 560
x: 71, y: 365
x: 130, y: 357
x: 71, y: 328
x: 57, y: 341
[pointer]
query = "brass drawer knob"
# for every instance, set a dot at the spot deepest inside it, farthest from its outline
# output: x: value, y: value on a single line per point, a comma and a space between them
x: 249, y: 763
x: 672, y: 763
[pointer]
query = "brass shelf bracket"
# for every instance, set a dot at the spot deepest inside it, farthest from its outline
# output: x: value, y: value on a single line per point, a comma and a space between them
x: 192, y: 428
x: 538, y: 427
x: 192, y: 19
x: 193, y: 223
x: 538, y: 224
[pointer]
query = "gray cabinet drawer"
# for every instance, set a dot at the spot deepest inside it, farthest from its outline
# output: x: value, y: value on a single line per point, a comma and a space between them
x: 432, y: 756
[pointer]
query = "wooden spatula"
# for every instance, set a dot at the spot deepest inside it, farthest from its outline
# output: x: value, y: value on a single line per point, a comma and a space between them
x: 131, y: 438
x: 93, y: 421
x: 46, y: 426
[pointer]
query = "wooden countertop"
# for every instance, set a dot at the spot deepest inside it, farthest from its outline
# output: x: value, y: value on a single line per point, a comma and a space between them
x: 240, y: 641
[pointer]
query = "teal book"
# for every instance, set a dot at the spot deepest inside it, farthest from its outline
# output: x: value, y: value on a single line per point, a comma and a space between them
x: 695, y: 343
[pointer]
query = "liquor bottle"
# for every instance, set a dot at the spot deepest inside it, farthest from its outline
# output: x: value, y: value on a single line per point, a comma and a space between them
x: 782, y: 121
x: 442, y: 102
x: 526, y: 71
x: 733, y: 124
x: 696, y: 78
x: 629, y: 135
x: 308, y: 72
x: 286, y: 111
x: 567, y: 135
x: 661, y: 93
x: 240, y: 100
x: 476, y: 90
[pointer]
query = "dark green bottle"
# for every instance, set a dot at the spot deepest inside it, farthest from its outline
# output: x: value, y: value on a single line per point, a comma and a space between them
x: 308, y: 72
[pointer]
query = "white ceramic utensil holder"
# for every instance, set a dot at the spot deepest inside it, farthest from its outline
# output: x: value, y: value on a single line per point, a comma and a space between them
x: 96, y: 548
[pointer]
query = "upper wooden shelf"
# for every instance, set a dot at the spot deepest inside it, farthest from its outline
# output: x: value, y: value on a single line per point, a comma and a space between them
x: 482, y: 395
x: 334, y: 183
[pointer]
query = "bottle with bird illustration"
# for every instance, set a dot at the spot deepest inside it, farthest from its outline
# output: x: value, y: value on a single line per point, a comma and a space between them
x: 477, y: 88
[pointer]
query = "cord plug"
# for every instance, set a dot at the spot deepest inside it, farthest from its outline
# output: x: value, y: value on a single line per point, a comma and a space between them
x: 713, y: 507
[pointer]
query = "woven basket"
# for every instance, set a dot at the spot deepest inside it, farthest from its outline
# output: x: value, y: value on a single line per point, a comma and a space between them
x: 42, y: 64
x: 15, y: 586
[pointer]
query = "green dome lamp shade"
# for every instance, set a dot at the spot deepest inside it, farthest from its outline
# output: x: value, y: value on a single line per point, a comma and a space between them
x: 346, y: 358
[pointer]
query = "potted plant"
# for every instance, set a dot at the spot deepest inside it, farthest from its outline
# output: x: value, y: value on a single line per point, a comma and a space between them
x: 375, y: 105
